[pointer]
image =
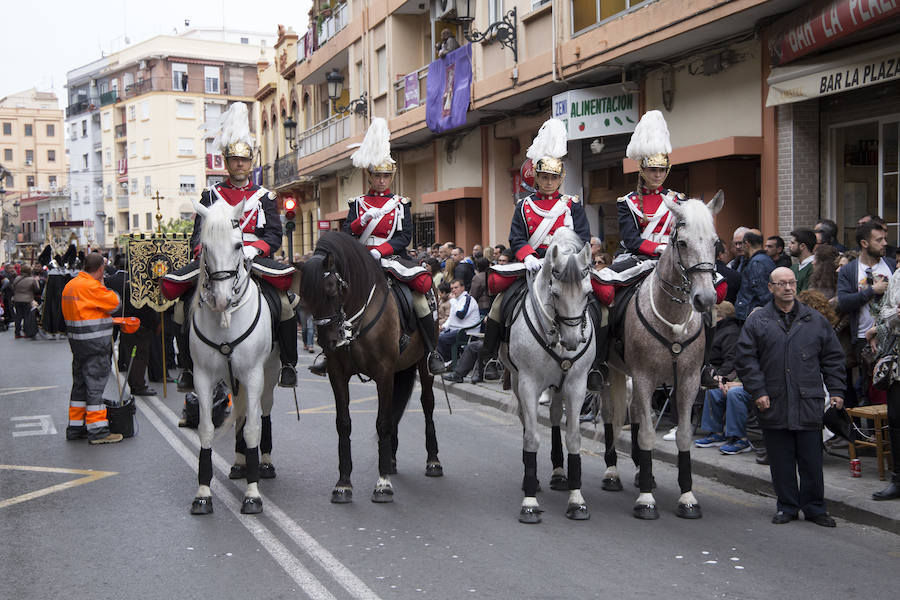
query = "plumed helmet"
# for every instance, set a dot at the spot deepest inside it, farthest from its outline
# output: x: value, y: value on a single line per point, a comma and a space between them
x: 650, y: 145
x: 374, y: 154
x: 549, y: 147
x: 234, y: 137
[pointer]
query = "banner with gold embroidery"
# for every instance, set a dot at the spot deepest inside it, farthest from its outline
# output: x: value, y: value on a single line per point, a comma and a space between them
x: 150, y: 257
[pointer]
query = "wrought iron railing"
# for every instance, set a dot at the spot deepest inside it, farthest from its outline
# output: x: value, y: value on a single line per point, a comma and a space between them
x: 321, y: 135
x: 286, y: 169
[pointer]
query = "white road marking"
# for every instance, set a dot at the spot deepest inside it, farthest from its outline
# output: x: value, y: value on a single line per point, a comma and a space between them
x: 38, y: 424
x: 22, y: 390
x: 88, y: 477
x: 292, y: 566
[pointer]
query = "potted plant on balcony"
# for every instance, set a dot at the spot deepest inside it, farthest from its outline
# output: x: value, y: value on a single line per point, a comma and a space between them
x: 325, y: 9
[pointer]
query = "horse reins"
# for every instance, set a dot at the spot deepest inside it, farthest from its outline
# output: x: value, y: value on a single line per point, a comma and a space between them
x: 686, y: 285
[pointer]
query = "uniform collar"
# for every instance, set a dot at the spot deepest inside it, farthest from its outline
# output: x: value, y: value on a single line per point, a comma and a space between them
x: 227, y: 183
x: 645, y: 191
x: 554, y: 196
x: 375, y: 194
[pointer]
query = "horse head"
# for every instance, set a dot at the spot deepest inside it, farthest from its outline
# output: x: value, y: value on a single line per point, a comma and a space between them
x: 691, y: 251
x: 223, y: 272
x: 565, y: 275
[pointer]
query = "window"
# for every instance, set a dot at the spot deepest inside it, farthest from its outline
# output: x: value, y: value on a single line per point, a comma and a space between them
x: 211, y: 79
x: 51, y: 155
x: 52, y: 180
x: 179, y: 77
x: 184, y: 109
x: 149, y: 221
x: 495, y: 10
x: 146, y: 146
x: 147, y: 185
x: 136, y: 221
x: 145, y: 110
x: 75, y: 198
x: 51, y: 130
x: 9, y: 181
x: 29, y: 157
x: 110, y: 225
x: 212, y: 113
x: 134, y: 185
x: 29, y: 130
x: 29, y: 181
x: 106, y: 120
x: 109, y: 190
x: 185, y: 146
x: 588, y: 12
x: 381, y: 61
x: 132, y: 111
x: 245, y: 40
x: 132, y: 149
x: 84, y: 161
x: 7, y: 154
x: 108, y: 157
x: 186, y: 184
x: 7, y: 129
x: 84, y: 128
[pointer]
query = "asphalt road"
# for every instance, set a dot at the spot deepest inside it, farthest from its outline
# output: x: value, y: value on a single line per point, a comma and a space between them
x: 112, y: 521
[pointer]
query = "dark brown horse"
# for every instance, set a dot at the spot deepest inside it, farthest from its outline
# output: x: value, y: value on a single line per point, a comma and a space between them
x: 359, y: 329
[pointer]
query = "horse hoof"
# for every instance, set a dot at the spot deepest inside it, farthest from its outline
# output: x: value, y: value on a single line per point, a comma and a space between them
x: 251, y: 506
x: 578, y: 512
x: 342, y: 495
x: 238, y: 472
x: 637, y: 481
x: 202, y: 506
x: 266, y: 471
x: 560, y: 483
x: 383, y: 495
x: 434, y: 469
x: 611, y: 484
x: 689, y: 511
x: 530, y: 515
x: 647, y: 512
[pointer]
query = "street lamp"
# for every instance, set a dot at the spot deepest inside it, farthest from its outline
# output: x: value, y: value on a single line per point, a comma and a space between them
x: 504, y: 30
x: 290, y: 131
x: 335, y: 83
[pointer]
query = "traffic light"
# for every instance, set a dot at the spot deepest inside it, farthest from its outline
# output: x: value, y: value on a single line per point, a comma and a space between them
x: 290, y: 212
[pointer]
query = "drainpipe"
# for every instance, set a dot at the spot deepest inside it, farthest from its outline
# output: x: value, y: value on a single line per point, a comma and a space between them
x: 553, y: 35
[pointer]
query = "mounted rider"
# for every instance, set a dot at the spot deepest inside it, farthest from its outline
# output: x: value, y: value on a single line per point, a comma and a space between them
x: 382, y: 221
x: 262, y: 234
x: 535, y: 219
x: 645, y: 223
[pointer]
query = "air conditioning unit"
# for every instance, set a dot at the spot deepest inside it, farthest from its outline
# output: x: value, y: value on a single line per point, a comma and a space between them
x: 28, y: 162
x: 443, y: 8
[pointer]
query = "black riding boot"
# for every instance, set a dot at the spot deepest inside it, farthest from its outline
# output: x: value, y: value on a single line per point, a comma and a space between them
x: 287, y: 350
x: 429, y: 338
x: 186, y: 379
x: 599, y: 371
x: 892, y: 491
x: 707, y: 373
x: 488, y: 353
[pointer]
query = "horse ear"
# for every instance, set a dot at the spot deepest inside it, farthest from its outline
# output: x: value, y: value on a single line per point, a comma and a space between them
x: 585, y: 253
x: 716, y: 204
x: 672, y: 205
x: 201, y: 210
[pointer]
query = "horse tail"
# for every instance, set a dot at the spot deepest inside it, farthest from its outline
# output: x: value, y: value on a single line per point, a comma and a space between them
x: 403, y: 387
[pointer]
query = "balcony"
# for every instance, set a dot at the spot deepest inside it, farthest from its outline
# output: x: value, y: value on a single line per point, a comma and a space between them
x: 122, y: 201
x: 331, y: 25
x: 121, y: 130
x: 109, y: 97
x: 411, y: 90
x: 80, y: 107
x: 286, y: 169
x: 326, y: 133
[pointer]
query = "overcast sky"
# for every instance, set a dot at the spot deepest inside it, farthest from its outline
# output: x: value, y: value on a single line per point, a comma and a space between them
x: 44, y: 40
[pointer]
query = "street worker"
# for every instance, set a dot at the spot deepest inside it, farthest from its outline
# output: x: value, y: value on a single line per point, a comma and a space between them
x: 381, y: 220
x: 261, y: 231
x: 535, y: 219
x: 87, y: 305
x: 787, y: 356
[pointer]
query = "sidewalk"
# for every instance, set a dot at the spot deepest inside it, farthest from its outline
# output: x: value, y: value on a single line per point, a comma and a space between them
x: 847, y: 497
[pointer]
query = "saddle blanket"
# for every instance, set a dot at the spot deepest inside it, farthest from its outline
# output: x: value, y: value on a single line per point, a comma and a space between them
x: 417, y: 277
x: 175, y: 284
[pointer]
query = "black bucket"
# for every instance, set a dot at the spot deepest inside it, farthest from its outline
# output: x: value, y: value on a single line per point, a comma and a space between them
x: 121, y: 417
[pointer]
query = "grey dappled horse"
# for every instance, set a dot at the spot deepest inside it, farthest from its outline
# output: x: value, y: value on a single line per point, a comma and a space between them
x: 664, y: 344
x: 231, y: 339
x: 551, y: 347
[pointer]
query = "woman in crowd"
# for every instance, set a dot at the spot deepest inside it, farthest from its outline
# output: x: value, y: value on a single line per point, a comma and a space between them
x: 25, y: 290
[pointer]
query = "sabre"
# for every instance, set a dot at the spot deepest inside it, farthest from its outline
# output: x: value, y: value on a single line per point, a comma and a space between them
x: 446, y: 397
x: 296, y: 404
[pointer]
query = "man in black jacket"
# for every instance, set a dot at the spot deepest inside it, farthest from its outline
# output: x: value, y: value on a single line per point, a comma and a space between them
x: 785, y: 352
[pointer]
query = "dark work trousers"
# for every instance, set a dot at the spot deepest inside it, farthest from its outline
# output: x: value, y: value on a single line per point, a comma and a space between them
x: 140, y: 341
x: 21, y: 310
x: 469, y: 359
x: 790, y: 453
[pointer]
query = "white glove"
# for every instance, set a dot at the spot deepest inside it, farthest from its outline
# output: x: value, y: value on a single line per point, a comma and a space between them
x: 375, y: 253
x: 251, y: 252
x: 661, y: 248
x: 532, y: 263
x: 372, y: 213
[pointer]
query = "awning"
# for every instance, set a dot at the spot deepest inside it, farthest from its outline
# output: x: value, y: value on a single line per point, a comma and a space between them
x: 835, y: 72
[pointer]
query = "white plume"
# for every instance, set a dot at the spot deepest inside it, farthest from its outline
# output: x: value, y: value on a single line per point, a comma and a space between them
x: 550, y: 141
x: 651, y: 136
x: 235, y: 128
x: 376, y: 146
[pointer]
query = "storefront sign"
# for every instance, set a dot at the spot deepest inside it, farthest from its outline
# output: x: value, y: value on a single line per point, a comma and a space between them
x: 324, y: 225
x: 597, y: 111
x: 849, y: 72
x: 815, y: 26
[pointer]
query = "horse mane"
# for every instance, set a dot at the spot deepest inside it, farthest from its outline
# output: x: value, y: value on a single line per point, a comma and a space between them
x: 697, y: 217
x: 350, y: 259
x: 569, y: 244
x: 216, y: 225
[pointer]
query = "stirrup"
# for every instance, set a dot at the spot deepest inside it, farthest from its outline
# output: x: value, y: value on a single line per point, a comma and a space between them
x: 319, y: 366
x: 491, y: 372
x: 288, y: 376
x: 436, y: 363
x: 596, y: 379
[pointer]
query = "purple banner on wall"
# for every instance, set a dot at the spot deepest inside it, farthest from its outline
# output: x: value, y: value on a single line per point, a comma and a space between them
x: 411, y: 85
x: 449, y: 82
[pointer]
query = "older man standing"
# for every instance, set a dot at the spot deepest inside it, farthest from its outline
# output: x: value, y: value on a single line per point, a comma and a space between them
x: 785, y: 353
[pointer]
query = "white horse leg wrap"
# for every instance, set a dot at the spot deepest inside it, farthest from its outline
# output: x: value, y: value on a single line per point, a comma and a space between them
x: 646, y: 499
x: 529, y: 502
x: 252, y: 491
x: 611, y: 472
x: 575, y: 497
x: 687, y: 498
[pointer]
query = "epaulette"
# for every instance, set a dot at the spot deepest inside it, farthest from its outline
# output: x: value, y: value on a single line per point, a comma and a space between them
x: 354, y: 199
x: 403, y: 199
x: 567, y: 197
x: 626, y: 197
x: 271, y: 195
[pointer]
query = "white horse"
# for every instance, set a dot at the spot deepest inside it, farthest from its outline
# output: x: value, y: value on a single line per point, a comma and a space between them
x: 230, y: 339
x: 551, y: 347
x: 664, y: 343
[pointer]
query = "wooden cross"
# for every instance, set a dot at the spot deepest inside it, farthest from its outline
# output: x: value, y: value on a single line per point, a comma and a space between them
x: 157, y: 197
